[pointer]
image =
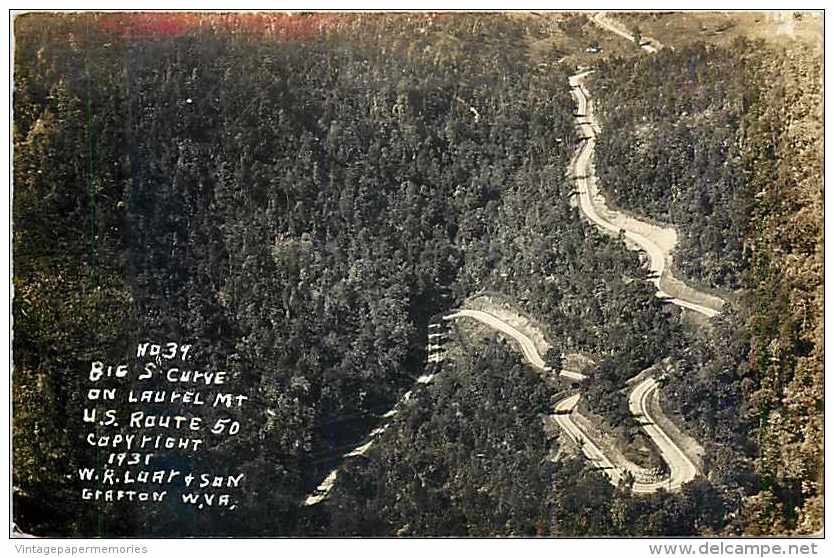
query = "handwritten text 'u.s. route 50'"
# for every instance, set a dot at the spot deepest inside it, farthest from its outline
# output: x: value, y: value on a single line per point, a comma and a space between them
x: 152, y: 407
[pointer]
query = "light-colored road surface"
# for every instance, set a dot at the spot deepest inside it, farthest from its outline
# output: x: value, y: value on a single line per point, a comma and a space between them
x: 602, y: 19
x: 322, y: 491
x: 562, y: 416
x: 528, y: 348
x: 583, y: 171
x: 681, y: 468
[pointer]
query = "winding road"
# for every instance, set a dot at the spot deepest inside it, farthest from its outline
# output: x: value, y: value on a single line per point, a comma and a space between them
x: 528, y: 348
x: 592, y: 451
x: 600, y: 18
x: 681, y: 468
x: 583, y: 171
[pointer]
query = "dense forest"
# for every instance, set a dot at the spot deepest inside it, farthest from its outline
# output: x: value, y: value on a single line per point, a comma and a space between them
x: 680, y: 158
x: 725, y: 143
x: 457, y: 463
x: 297, y: 196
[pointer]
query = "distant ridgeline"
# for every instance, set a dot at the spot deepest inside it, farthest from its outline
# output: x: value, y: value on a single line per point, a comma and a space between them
x: 231, y: 231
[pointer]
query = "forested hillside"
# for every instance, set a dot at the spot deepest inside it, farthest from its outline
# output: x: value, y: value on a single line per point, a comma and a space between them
x: 677, y: 153
x: 725, y: 143
x: 787, y: 294
x: 296, y: 209
x: 466, y: 458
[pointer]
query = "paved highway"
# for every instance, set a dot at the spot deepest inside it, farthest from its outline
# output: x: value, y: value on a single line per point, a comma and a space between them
x: 528, y: 348
x: 562, y: 416
x: 583, y: 171
x: 681, y: 468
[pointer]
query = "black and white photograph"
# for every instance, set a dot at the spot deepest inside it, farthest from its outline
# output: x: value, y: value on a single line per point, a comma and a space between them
x: 417, y: 274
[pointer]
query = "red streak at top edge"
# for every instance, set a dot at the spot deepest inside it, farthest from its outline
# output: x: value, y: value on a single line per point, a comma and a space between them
x: 147, y: 25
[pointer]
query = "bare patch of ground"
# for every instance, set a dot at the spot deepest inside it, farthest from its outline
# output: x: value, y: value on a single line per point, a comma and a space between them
x: 654, y: 370
x: 572, y: 39
x: 578, y: 363
x: 783, y: 28
x: 566, y: 444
